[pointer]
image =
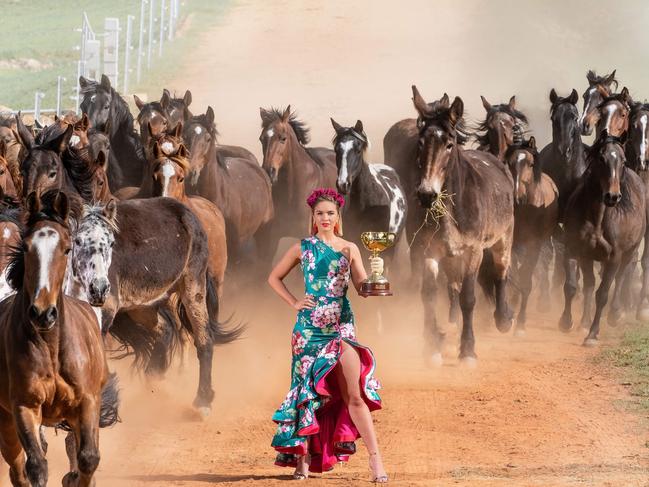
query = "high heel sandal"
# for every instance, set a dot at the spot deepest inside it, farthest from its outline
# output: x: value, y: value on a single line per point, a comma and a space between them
x: 377, y: 479
x: 299, y: 475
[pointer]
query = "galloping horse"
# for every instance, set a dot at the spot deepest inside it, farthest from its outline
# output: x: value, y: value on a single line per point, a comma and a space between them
x: 536, y: 213
x: 599, y: 87
x: 294, y: 172
x: 605, y: 220
x: 479, y: 216
x: 109, y: 112
x: 496, y: 133
x: 54, y: 371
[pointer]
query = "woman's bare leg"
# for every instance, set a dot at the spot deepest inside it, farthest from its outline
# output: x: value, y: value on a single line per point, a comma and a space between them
x: 348, y: 372
x: 303, y: 463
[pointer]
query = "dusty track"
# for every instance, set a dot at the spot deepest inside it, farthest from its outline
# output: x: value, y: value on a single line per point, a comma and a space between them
x: 536, y: 411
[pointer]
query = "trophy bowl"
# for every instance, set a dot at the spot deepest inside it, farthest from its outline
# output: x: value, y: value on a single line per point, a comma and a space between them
x: 376, y: 242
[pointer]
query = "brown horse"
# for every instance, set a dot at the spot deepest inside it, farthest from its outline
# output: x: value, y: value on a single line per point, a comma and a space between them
x: 605, y: 220
x: 614, y: 114
x: 536, y: 214
x: 237, y: 186
x: 599, y: 88
x: 496, y: 133
x: 476, y: 192
x: 169, y: 172
x: 6, y: 181
x: 177, y: 108
x: 294, y: 170
x: 54, y: 370
x: 10, y: 227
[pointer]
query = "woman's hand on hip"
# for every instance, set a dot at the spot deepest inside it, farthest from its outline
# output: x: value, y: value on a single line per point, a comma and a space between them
x: 308, y: 302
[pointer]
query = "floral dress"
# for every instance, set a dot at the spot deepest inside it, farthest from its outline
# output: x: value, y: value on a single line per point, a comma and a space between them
x: 313, y: 409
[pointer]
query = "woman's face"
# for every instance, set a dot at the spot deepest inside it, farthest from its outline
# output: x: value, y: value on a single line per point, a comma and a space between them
x: 325, y: 216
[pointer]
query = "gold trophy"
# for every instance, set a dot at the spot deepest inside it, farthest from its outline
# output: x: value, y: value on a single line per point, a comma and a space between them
x: 376, y: 242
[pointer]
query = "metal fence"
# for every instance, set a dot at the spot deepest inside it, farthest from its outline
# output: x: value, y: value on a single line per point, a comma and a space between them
x: 99, y: 52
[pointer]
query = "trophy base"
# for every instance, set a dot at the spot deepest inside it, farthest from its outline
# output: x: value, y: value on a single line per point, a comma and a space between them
x: 375, y: 289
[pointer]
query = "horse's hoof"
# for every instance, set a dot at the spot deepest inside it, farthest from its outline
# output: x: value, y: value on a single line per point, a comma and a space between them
x: 590, y: 342
x: 504, y: 323
x: 468, y: 362
x: 615, y: 318
x: 71, y: 479
x: 435, y: 360
x: 643, y: 314
x: 520, y: 332
x: 204, y: 412
x: 565, y: 323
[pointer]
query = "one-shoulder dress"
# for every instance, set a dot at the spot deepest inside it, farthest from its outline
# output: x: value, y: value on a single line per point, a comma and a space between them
x: 313, y: 409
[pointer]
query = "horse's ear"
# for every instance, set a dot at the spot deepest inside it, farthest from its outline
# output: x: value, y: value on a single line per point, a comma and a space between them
x: 457, y: 110
x: 444, y: 100
x: 485, y: 103
x: 574, y: 97
x: 60, y: 143
x: 102, y: 159
x: 157, y: 151
x: 105, y: 82
x: 512, y: 102
x: 209, y: 114
x: 83, y: 82
x: 625, y: 95
x: 359, y: 127
x: 61, y: 205
x: 110, y: 210
x: 149, y: 129
x: 33, y: 203
x: 56, y: 118
x: 138, y: 103
x: 182, y: 151
x: 553, y: 96
x: 178, y: 130
x: 420, y: 104
x: 337, y: 127
x: 83, y: 124
x: 610, y: 78
x: 287, y: 114
x: 24, y: 134
x: 187, y: 99
x: 165, y: 98
x: 532, y: 143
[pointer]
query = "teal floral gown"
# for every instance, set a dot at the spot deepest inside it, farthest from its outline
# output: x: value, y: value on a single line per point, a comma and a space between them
x: 313, y: 415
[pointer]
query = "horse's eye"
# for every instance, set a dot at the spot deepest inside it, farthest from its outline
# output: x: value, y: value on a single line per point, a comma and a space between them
x: 449, y: 146
x: 180, y: 180
x: 106, y: 106
x: 67, y: 251
x: 100, y: 182
x: 282, y: 139
x: 52, y: 174
x: 77, y: 241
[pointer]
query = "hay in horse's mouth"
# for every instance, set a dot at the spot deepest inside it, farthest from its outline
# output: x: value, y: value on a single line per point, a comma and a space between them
x: 439, y: 208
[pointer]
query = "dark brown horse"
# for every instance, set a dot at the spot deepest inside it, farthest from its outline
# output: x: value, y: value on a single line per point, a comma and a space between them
x: 237, y: 186
x: 470, y: 195
x: 54, y: 370
x: 294, y: 170
x: 536, y: 214
x: 605, y: 221
x: 599, y: 87
x: 499, y: 128
x: 177, y: 108
x: 153, y: 121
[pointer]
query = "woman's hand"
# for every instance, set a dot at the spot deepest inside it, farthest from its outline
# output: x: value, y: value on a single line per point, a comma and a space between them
x: 376, y: 265
x: 306, y: 303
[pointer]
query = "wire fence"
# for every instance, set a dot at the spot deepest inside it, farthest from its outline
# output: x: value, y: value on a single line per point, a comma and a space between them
x: 122, y: 51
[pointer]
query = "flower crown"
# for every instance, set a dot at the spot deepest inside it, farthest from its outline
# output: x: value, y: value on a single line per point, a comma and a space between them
x: 330, y: 192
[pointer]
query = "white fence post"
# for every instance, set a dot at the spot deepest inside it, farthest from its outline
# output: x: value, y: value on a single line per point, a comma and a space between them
x: 111, y: 49
x: 150, y: 45
x: 38, y: 96
x: 59, y: 86
x: 127, y: 50
x: 140, y: 52
x: 162, y: 26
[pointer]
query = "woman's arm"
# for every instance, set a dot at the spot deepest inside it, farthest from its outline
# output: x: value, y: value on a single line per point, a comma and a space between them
x: 289, y: 260
x: 358, y: 270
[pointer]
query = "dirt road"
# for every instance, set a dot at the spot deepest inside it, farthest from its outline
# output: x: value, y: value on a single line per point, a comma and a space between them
x: 536, y: 411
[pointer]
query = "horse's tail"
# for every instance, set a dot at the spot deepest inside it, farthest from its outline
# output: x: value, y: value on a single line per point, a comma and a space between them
x: 486, y: 277
x: 108, y: 413
x: 218, y: 334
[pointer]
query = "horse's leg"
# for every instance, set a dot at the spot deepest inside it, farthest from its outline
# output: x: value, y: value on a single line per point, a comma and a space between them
x: 525, y: 275
x: 586, y: 266
x: 543, y: 276
x: 27, y: 423
x: 569, y: 291
x: 12, y: 450
x: 501, y: 254
x: 559, y: 275
x: 71, y: 478
x: 616, y: 310
x: 467, y: 304
x: 643, y: 300
x: 627, y: 296
x: 434, y: 338
x: 88, y: 440
x: 610, y: 269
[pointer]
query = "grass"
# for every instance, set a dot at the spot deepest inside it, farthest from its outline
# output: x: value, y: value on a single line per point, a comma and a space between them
x: 631, y: 357
x: 45, y: 31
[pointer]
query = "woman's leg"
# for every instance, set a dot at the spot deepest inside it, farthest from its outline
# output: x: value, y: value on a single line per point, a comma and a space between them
x: 348, y: 372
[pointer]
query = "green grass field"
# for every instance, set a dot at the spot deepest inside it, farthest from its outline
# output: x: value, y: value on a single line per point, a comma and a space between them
x: 46, y: 31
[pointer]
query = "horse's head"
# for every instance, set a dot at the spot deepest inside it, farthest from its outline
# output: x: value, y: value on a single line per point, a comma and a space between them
x: 40, y: 263
x: 177, y: 108
x: 42, y: 168
x: 153, y: 120
x: 98, y: 152
x: 565, y: 121
x: 97, y: 101
x: 500, y: 125
x: 522, y: 160
x: 638, y: 136
x: 92, y: 251
x: 169, y: 142
x: 199, y: 136
x: 350, y: 144
x: 607, y: 166
x: 279, y: 131
x: 614, y: 114
x: 599, y: 87
x: 168, y: 172
x: 439, y: 130
x: 6, y: 182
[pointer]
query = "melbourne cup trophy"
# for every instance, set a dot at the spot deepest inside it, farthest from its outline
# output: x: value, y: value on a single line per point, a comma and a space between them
x: 376, y: 284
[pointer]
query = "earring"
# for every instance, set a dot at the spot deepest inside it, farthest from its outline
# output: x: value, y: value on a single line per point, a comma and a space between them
x: 336, y: 229
x: 314, y: 230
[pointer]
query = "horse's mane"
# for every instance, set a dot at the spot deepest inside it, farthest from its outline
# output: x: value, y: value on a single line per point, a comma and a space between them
x: 183, y: 162
x: 80, y: 173
x: 96, y: 211
x: 481, y: 130
x: 299, y: 127
x: 594, y: 79
x: 537, y: 170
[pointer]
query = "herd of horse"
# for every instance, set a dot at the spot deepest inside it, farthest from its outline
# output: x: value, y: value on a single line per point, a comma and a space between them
x: 117, y: 235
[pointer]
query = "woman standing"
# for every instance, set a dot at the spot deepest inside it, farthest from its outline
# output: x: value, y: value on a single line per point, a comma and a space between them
x: 332, y: 385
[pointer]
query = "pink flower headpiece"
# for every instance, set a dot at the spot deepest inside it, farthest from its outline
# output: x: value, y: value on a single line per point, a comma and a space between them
x: 330, y: 192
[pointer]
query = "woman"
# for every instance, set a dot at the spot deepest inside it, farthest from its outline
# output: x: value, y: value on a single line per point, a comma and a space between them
x: 332, y: 387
